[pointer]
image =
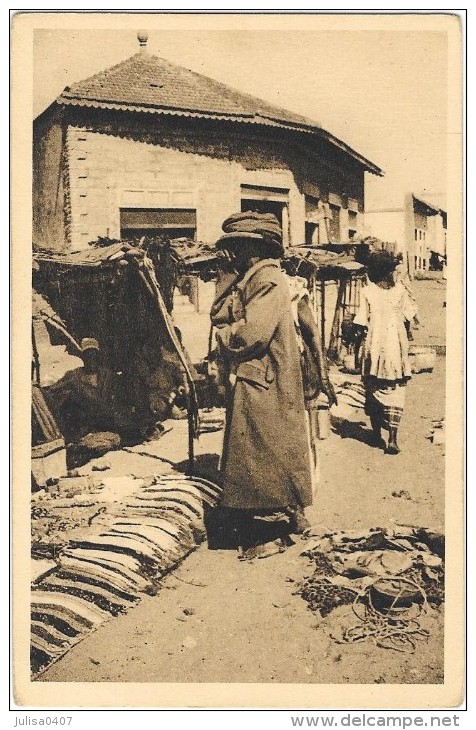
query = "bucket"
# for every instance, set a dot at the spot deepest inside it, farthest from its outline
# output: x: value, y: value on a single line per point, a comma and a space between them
x: 422, y: 359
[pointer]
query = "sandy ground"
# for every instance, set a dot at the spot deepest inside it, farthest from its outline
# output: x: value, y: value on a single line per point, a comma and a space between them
x: 430, y: 295
x: 217, y: 619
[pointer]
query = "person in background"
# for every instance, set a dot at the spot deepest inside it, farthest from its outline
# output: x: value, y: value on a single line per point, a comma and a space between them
x: 161, y: 379
x: 85, y: 396
x: 401, y: 275
x: 84, y: 403
x: 265, y: 465
x: 382, y: 322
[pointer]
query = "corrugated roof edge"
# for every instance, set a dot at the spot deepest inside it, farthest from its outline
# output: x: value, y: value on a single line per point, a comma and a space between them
x: 430, y: 206
x: 237, y: 119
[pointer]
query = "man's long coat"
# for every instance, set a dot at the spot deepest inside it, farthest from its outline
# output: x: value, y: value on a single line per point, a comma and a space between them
x: 266, y: 458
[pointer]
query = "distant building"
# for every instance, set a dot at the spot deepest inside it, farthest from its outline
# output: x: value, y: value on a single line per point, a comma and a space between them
x: 418, y: 229
x: 149, y: 147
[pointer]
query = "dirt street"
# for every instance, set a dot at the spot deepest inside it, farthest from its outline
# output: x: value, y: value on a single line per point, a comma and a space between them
x: 217, y: 619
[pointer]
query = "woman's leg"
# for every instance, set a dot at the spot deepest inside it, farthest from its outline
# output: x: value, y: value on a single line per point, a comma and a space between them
x: 374, y: 412
x: 392, y: 447
x: 394, y: 401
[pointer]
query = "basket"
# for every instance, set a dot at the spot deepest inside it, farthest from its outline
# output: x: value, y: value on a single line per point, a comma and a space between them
x: 394, y: 596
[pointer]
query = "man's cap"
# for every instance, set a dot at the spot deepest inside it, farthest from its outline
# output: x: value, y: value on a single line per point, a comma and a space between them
x: 89, y: 343
x: 253, y: 226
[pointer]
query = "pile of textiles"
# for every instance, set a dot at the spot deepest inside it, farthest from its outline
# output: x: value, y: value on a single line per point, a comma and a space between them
x: 102, y: 573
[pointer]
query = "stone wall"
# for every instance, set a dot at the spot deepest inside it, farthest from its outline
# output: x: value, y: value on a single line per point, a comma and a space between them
x: 48, y: 183
x: 119, y: 161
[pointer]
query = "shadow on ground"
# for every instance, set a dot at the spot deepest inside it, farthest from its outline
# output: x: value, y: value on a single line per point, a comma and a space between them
x: 355, y: 430
x: 204, y: 466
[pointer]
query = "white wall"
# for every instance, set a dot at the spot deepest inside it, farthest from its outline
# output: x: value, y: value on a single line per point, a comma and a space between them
x: 388, y: 226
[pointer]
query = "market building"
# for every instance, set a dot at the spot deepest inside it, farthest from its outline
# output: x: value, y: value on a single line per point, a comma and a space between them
x: 148, y: 147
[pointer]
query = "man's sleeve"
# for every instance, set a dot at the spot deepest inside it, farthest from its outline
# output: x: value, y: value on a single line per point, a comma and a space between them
x: 63, y: 387
x: 249, y: 338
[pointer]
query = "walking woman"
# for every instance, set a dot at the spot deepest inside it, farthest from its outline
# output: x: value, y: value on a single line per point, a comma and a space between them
x: 265, y: 466
x: 383, y: 320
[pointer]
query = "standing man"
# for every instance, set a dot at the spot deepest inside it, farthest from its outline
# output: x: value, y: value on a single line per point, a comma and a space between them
x: 266, y: 465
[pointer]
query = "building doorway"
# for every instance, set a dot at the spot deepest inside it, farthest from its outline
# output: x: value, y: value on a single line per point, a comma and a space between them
x: 153, y: 222
x: 311, y: 226
x: 268, y: 200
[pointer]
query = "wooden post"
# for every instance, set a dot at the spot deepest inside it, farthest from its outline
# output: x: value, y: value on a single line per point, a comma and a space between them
x: 191, y: 431
x: 337, y: 320
x: 35, y: 367
x: 323, y: 314
x: 315, y: 308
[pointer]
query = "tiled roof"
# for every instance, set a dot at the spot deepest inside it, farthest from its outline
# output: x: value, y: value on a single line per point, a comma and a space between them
x: 146, y: 83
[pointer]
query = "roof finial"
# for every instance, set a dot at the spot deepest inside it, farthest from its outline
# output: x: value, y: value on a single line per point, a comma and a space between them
x: 142, y: 37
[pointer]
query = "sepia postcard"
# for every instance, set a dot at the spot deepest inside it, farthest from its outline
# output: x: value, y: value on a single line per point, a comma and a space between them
x: 241, y: 235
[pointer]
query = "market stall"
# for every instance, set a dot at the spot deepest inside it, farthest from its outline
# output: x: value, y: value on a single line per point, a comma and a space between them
x: 334, y: 279
x: 111, y: 293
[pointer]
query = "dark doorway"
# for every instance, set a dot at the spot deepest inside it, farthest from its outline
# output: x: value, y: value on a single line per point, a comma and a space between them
x: 170, y: 222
